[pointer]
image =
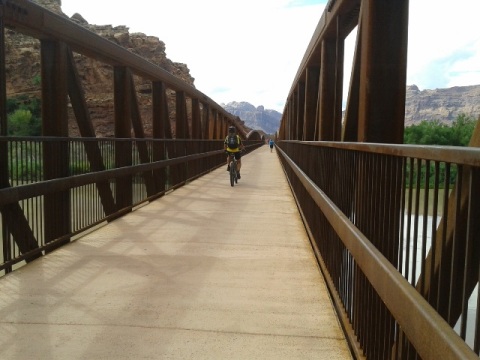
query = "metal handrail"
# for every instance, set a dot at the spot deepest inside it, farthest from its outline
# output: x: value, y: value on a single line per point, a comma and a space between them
x: 91, y: 195
x: 430, y: 334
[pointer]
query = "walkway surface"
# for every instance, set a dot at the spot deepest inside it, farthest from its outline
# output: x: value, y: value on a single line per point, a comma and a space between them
x: 206, y: 272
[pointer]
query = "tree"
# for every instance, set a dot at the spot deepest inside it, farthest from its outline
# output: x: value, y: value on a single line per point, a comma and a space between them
x: 462, y: 130
x: 22, y: 123
x: 436, y: 133
x: 24, y: 116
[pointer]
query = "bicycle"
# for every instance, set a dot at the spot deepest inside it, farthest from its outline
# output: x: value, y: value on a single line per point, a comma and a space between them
x: 233, y: 169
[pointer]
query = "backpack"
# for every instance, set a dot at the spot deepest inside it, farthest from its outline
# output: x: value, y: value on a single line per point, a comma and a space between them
x: 232, y: 141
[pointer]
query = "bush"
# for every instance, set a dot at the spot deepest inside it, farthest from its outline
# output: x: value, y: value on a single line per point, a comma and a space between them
x: 436, y: 133
x: 22, y: 123
x: 24, y: 116
x: 78, y: 168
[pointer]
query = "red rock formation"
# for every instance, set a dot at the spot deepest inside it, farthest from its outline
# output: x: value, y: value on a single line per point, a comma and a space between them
x: 23, y: 71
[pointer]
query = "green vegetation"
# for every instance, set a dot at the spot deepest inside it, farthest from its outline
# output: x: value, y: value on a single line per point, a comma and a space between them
x: 436, y: 133
x: 431, y: 178
x: 79, y: 167
x: 21, y: 123
x: 27, y: 170
x: 24, y: 116
x: 37, y: 80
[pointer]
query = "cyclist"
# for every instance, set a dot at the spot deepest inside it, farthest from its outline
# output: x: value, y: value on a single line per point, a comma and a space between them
x: 233, y: 144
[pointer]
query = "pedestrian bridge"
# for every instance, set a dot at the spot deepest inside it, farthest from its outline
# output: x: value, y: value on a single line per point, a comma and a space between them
x: 343, y: 243
x: 205, y: 272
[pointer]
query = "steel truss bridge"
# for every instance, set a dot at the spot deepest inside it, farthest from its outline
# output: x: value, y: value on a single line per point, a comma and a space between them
x: 394, y: 227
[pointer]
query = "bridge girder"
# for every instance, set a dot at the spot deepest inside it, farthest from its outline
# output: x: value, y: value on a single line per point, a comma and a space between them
x: 376, y: 102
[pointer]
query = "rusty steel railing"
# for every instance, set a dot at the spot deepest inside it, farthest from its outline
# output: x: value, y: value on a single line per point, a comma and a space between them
x: 395, y: 229
x: 54, y: 187
x: 86, y: 192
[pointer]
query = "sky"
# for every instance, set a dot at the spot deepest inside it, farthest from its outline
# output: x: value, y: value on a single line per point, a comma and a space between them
x: 250, y: 50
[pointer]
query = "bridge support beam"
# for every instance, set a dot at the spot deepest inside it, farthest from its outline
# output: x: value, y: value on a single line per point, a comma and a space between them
x: 3, y: 95
x: 383, y: 67
x: 161, y: 129
x: 328, y: 123
x: 216, y: 125
x: 140, y: 134
x: 123, y: 125
x: 196, y: 120
x: 85, y: 126
x: 300, y: 111
x: 206, y: 123
x: 338, y: 82
x: 292, y: 111
x: 350, y: 128
x: 222, y: 130
x: 181, y: 126
x: 310, y: 113
x: 55, y: 123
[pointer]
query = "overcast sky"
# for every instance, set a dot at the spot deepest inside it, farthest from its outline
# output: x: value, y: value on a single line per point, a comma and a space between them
x: 250, y: 50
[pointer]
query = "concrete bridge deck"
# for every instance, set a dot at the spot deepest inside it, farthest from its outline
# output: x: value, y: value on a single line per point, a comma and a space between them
x: 206, y: 272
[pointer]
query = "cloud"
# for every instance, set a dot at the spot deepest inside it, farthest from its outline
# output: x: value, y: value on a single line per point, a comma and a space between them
x: 453, y: 69
x: 251, y: 50
x: 236, y: 51
x: 297, y: 3
x: 444, y: 44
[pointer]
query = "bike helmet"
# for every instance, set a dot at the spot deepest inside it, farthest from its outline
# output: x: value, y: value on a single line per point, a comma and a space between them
x: 231, y: 129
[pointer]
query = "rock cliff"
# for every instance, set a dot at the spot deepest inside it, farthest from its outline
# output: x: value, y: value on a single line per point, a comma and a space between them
x: 23, y: 78
x: 443, y: 105
x: 257, y: 118
x: 23, y: 70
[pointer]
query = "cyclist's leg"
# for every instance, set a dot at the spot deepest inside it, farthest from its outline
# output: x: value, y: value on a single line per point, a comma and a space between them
x: 238, y: 156
x: 228, y: 161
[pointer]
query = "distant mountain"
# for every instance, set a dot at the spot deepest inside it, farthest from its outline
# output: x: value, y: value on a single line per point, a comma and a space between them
x: 443, y: 105
x: 256, y: 118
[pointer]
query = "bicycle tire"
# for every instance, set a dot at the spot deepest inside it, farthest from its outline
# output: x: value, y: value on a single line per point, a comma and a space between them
x: 233, y: 173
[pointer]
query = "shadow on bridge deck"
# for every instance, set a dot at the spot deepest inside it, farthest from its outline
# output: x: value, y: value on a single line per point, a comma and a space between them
x: 206, y: 272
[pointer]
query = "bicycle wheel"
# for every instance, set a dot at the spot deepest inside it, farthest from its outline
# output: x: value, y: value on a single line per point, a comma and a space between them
x: 233, y: 173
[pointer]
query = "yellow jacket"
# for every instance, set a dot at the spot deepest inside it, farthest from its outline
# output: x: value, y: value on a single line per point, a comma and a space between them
x: 233, y: 150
